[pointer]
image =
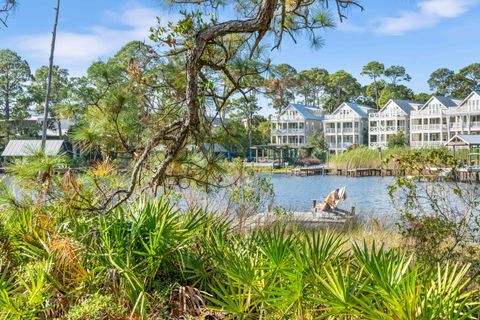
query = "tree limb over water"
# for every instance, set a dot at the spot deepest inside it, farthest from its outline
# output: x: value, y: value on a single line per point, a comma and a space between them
x: 227, y: 53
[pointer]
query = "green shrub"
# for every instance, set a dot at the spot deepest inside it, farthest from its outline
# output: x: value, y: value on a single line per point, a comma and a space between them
x: 98, y: 307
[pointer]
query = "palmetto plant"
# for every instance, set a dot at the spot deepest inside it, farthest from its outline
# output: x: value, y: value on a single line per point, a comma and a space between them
x: 280, y: 275
x: 152, y: 259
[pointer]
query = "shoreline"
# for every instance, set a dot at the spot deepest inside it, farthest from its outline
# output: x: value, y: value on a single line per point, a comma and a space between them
x: 471, y: 174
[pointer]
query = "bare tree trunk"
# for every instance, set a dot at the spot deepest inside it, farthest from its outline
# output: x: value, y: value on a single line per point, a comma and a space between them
x: 49, y: 81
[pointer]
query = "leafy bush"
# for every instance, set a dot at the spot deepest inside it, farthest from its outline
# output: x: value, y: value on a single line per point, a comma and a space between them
x: 96, y: 306
x: 398, y: 140
x: 439, y: 215
x: 309, y: 161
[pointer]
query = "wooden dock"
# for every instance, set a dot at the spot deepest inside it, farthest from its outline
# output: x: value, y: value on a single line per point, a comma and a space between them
x: 468, y: 174
x: 308, y: 219
x: 350, y: 172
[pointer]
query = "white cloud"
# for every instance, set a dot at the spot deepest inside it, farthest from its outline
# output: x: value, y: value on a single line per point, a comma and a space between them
x: 77, y: 50
x: 430, y: 13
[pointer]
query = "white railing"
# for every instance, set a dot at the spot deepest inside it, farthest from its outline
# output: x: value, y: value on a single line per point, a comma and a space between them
x: 427, y: 112
x: 341, y: 130
x: 456, y: 126
x: 422, y: 144
x: 463, y: 109
x: 287, y: 131
x: 387, y: 129
x: 287, y: 119
x: 464, y: 126
x: 422, y: 127
x: 381, y: 115
x: 331, y: 130
x: 342, y: 117
x: 475, y: 124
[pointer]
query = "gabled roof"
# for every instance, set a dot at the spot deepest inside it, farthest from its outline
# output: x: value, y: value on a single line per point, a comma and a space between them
x: 405, y: 105
x: 447, y: 102
x: 311, y: 113
x: 464, y: 140
x: 468, y: 97
x: 23, y: 148
x: 360, y: 109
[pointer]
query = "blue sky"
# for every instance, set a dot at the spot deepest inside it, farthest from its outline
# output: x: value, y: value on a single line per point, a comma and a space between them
x: 421, y: 35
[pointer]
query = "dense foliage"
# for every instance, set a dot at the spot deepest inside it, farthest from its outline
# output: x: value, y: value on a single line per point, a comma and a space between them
x: 152, y: 261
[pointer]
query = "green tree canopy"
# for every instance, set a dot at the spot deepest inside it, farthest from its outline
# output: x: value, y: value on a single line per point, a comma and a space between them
x: 397, y: 74
x: 422, y: 97
x: 116, y: 101
x: 311, y: 84
x: 395, y: 92
x: 466, y: 80
x: 14, y: 75
x: 441, y: 81
x: 341, y: 87
x: 59, y: 95
x: 280, y: 87
x: 374, y: 70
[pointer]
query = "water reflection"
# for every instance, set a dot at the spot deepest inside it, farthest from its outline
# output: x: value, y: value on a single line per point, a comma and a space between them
x: 369, y: 195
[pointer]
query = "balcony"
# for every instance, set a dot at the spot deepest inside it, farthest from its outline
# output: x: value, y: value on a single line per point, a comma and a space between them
x: 381, y: 115
x: 455, y: 126
x: 285, y: 118
x: 341, y: 131
x: 426, y: 127
x: 345, y: 145
x: 423, y: 144
x: 349, y: 117
x: 466, y: 109
x: 426, y: 113
x: 475, y: 125
x: 332, y: 130
x: 387, y: 129
x: 288, y: 131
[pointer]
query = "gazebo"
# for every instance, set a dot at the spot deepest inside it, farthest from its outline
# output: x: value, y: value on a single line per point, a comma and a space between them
x: 470, y: 141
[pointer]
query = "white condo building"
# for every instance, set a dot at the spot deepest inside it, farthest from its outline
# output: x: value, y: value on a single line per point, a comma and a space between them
x: 346, y: 126
x: 296, y: 124
x: 464, y: 119
x: 428, y: 125
x: 393, y: 118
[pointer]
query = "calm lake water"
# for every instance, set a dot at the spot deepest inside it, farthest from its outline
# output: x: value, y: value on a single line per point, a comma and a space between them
x: 369, y: 195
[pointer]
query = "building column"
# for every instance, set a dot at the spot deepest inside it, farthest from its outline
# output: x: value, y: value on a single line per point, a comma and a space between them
x: 353, y: 132
x: 448, y: 128
x: 341, y: 134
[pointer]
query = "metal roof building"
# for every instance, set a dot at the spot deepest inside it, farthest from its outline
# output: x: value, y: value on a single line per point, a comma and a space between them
x: 464, y: 140
x: 25, y: 148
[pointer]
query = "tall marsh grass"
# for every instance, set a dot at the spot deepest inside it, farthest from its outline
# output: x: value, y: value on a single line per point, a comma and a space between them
x: 364, y: 157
